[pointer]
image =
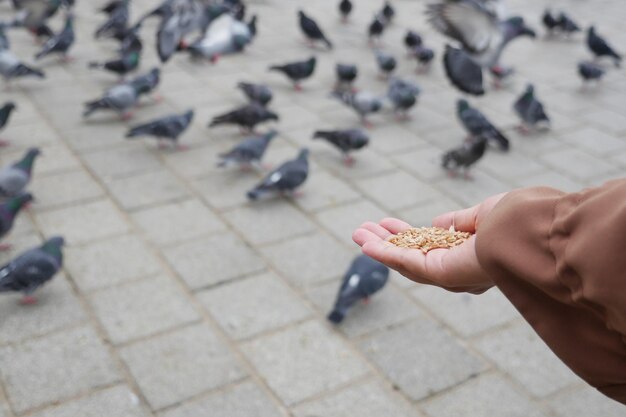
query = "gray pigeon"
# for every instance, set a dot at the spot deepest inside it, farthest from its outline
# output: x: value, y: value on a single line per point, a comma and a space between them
x: 60, y: 43
x: 590, y: 71
x: 531, y: 111
x: 284, y: 179
x: 8, y: 211
x: 249, y: 152
x: 11, y: 67
x: 386, y: 63
x: 231, y: 40
x: 345, y: 140
x: 256, y: 93
x: 362, y: 102
x: 346, y: 74
x: 364, y: 278
x: 464, y: 156
x: 246, y: 117
x: 147, y: 83
x: 403, y: 96
x: 5, y: 113
x: 464, y: 73
x: 32, y: 269
x: 167, y: 128
x: 477, y: 125
x: 14, y: 178
x: 121, y: 98
x: 116, y: 23
x: 297, y: 71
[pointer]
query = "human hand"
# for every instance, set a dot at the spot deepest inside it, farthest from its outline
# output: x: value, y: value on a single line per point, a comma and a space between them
x: 456, y: 269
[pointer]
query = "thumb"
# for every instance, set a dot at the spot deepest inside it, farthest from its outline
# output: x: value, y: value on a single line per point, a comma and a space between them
x: 462, y: 220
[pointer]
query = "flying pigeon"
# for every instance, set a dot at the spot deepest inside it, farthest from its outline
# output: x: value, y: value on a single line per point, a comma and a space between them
x: 345, y: 8
x: 11, y: 67
x: 147, y: 83
x: 346, y: 74
x: 364, y: 278
x: 345, y: 140
x: 117, y: 22
x: 478, y: 125
x: 386, y: 63
x: 403, y: 96
x: 600, y: 47
x: 32, y: 269
x: 249, y: 152
x: 464, y: 156
x: 464, y: 73
x: 33, y: 16
x: 5, y: 113
x: 125, y: 64
x: 312, y: 31
x: 256, y: 93
x: 285, y: 179
x: 424, y: 57
x: 531, y: 111
x: 8, y: 212
x: 167, y: 128
x: 297, y: 71
x: 590, y: 71
x: 176, y: 23
x: 15, y: 177
x: 362, y: 102
x: 247, y: 117
x: 120, y: 98
x: 375, y: 30
x: 481, y: 33
x: 60, y: 43
x: 231, y: 40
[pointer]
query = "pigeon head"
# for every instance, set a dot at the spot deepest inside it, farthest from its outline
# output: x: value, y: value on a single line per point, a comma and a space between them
x: 530, y: 90
x: 15, y: 204
x: 270, y: 135
x: 57, y: 241
x: 304, y: 154
x: 189, y: 115
x: 591, y: 30
x: 252, y: 25
x: 462, y: 105
x: 311, y: 61
x: 272, y: 116
x: 10, y: 105
x: 301, y: 14
x: 517, y: 27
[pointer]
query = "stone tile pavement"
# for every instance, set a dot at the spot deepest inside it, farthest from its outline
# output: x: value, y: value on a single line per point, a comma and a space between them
x: 179, y: 298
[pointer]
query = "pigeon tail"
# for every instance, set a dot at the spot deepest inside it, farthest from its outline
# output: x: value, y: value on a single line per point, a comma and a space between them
x: 92, y: 106
x: 94, y: 65
x: 22, y: 70
x: 254, y: 194
x: 336, y: 316
x: 321, y: 134
x: 328, y: 43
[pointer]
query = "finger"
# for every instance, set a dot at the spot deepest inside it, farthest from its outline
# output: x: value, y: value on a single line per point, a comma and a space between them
x: 377, y: 229
x: 362, y: 236
x: 394, y: 226
x: 462, y: 220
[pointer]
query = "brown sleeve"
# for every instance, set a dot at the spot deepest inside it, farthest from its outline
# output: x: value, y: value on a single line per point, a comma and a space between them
x: 561, y: 260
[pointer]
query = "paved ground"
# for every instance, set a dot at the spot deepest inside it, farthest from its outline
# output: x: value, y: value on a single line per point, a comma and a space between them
x: 181, y: 299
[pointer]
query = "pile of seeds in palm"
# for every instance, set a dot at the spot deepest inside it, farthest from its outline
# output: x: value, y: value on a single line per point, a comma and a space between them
x: 429, y: 238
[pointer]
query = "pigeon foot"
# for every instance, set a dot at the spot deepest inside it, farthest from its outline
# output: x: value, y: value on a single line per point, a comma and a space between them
x: 4, y: 143
x: 28, y: 300
x: 5, y: 247
x: 127, y: 116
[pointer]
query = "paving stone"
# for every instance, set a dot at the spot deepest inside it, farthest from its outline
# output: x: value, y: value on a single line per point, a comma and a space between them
x: 398, y: 190
x: 243, y: 400
x: 177, y: 221
x: 102, y: 264
x: 523, y: 355
x: 423, y: 214
x: 424, y: 163
x: 146, y: 189
x: 343, y: 221
x: 269, y: 221
x: 421, y: 358
x: 485, y: 396
x: 595, y: 141
x: 368, y: 399
x: 54, y: 368
x: 190, y: 361
x: 585, y: 401
x: 64, y: 188
x: 308, y: 349
x: 82, y: 223
x: 121, y: 161
x: 467, y: 314
x: 608, y: 120
x: 578, y: 164
x: 324, y: 258
x: 213, y: 260
x: 471, y: 192
x: 394, y: 139
x: 118, y: 401
x: 324, y: 190
x: 510, y: 165
x: 550, y: 179
x: 226, y: 190
x: 367, y: 164
x: 142, y: 308
x: 254, y: 305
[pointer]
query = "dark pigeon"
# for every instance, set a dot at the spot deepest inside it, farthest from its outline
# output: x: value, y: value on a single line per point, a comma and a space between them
x: 60, y: 43
x: 247, y: 117
x: 550, y: 22
x: 297, y: 71
x: 531, y: 111
x: 364, y: 278
x: 8, y: 211
x: 590, y: 71
x: 387, y: 13
x: 249, y: 152
x: 478, y: 125
x: 345, y: 8
x: 375, y: 30
x: 464, y: 156
x: 345, y: 140
x: 424, y: 57
x: 15, y: 177
x: 386, y: 63
x: 600, y: 47
x: 346, y: 74
x: 285, y: 179
x: 117, y: 22
x: 5, y: 113
x: 147, y: 83
x: 403, y: 96
x: 312, y: 30
x: 463, y: 72
x: 256, y: 93
x: 32, y: 269
x: 167, y: 128
x: 567, y: 25
x: 125, y: 64
x: 120, y: 98
x: 412, y: 39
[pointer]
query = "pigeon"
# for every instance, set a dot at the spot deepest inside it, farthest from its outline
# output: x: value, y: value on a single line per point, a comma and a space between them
x: 480, y: 31
x: 166, y: 8
x: 567, y: 25
x: 117, y: 22
x: 345, y: 8
x: 424, y: 57
x: 111, y: 6
x: 147, y: 83
x: 464, y: 73
x: 478, y: 125
x: 164, y: 129
x: 228, y: 41
x: 346, y: 74
x: 312, y: 31
x: 8, y: 211
x: 364, y: 278
x: 130, y: 41
x: 387, y: 13
x: 285, y: 179
x: 5, y: 113
x: 297, y: 71
x: 249, y: 152
x: 403, y: 96
x: 256, y: 93
x: 362, y: 102
x: 464, y: 156
x: 32, y: 269
x: 375, y: 30
x: 34, y: 15
x: 120, y: 98
x: 345, y: 140
x: 549, y: 21
x: 15, y: 177
x: 174, y: 26
x: 125, y: 64
x: 412, y: 40
x: 60, y: 43
x: 590, y: 71
x: 11, y: 67
x: 600, y: 48
x: 531, y: 111
x: 386, y: 63
x: 247, y: 117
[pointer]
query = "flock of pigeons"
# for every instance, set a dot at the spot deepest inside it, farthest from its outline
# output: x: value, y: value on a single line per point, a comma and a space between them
x: 479, y: 30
